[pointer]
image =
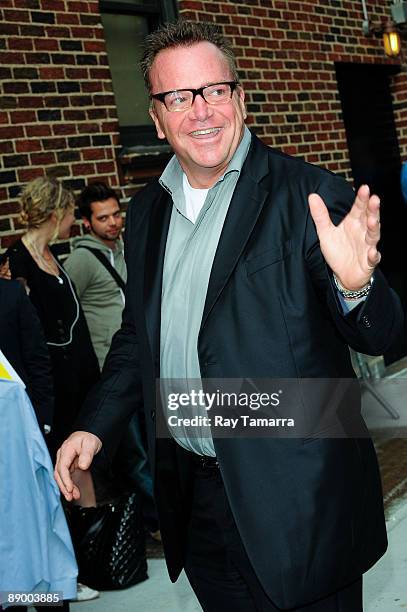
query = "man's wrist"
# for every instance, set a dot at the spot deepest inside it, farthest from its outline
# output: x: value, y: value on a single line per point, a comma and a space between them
x: 349, y: 294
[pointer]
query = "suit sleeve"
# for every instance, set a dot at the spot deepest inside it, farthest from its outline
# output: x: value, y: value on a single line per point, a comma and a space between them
x: 374, y: 325
x: 111, y: 403
x: 36, y: 360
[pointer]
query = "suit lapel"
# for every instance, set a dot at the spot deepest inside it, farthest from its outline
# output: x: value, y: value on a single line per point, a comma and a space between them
x: 154, y: 263
x: 245, y: 207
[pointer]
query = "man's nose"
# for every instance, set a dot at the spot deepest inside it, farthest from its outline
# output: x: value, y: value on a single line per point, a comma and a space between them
x: 200, y: 109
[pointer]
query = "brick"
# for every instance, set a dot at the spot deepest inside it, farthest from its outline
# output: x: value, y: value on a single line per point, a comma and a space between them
x: 5, y: 73
x: 27, y: 146
x: 83, y: 169
x: 67, y: 129
x: 14, y: 161
x: 79, y: 141
x: 68, y: 156
x: 17, y: 16
x: 95, y: 46
x: 11, y: 132
x: 77, y: 73
x: 9, y: 29
x: 52, y: 144
x: 15, y: 87
x: 93, y: 154
x: 100, y: 141
x: 97, y: 113
x: 37, y: 58
x: 88, y: 128
x: 28, y: 174
x: 51, y: 73
x: 81, y: 100
x: 53, y: 5
x: 71, y: 45
x: 74, y: 115
x: 91, y: 20
x: 68, y: 18
x: 46, y: 44
x: 25, y: 116
x: 42, y: 87
x: 63, y: 58
x: 42, y: 159
x: 37, y: 130
x: 49, y: 115
x: 56, y: 101
x: 42, y: 17
x: 30, y: 102
x: 78, y: 7
x: 11, y: 57
x: 22, y: 44
x: 25, y: 73
x: 6, y: 147
x: 75, y: 184
x: 68, y: 87
x: 5, y: 225
x: 86, y: 60
x: 8, y: 208
x: 7, y: 177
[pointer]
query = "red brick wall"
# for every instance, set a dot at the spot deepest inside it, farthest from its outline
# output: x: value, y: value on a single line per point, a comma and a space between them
x: 57, y: 109
x: 286, y: 52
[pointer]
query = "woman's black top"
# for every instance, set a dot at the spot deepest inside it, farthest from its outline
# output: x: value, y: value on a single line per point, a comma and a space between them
x: 74, y: 364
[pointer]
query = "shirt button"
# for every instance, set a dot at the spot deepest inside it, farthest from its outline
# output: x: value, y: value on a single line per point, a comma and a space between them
x: 366, y: 321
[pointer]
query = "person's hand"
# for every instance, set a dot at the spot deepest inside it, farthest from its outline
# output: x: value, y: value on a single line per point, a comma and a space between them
x: 5, y: 270
x: 77, y: 452
x: 350, y: 248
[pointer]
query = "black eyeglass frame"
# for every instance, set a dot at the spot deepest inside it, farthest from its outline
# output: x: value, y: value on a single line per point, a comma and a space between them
x: 195, y: 92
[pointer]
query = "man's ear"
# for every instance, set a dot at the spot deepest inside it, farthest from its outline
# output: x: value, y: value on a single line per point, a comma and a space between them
x: 241, y: 95
x: 86, y: 223
x: 154, y: 117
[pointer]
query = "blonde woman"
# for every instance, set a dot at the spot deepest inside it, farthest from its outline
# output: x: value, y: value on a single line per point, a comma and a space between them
x: 47, y: 210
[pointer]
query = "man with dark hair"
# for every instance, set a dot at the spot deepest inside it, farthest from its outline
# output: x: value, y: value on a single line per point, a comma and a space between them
x: 236, y: 271
x: 101, y: 297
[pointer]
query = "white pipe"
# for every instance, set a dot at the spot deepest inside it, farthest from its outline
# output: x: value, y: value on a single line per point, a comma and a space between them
x: 365, y: 15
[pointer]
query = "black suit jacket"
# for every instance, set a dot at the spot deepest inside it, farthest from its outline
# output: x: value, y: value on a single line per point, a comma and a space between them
x: 309, y: 511
x: 23, y: 343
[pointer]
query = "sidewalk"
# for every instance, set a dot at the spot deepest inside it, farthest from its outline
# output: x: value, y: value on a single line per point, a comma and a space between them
x: 384, y: 585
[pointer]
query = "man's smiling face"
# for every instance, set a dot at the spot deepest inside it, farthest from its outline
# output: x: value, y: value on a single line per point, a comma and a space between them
x: 204, y: 137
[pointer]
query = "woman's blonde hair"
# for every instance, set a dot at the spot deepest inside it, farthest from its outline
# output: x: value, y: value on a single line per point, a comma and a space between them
x: 40, y: 198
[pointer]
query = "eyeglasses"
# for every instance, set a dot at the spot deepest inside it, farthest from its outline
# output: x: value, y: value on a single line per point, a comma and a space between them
x: 183, y: 99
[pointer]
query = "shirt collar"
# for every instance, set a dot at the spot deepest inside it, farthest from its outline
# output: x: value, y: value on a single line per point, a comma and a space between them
x: 171, y: 178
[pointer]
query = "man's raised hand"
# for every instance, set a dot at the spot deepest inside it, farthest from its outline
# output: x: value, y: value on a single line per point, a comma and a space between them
x: 350, y: 248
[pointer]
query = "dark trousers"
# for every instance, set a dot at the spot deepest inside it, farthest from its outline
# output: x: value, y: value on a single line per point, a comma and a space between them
x: 217, y: 565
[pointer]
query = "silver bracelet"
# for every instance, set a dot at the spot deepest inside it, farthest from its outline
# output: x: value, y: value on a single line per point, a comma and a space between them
x: 347, y: 294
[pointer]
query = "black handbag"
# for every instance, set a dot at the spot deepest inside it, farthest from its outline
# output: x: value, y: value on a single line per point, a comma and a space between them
x: 109, y: 543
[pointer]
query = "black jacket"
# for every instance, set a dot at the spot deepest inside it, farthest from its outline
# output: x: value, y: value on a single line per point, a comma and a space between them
x: 309, y: 512
x: 23, y: 343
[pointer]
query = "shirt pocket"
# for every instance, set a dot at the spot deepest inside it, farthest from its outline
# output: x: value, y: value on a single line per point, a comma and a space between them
x: 254, y: 263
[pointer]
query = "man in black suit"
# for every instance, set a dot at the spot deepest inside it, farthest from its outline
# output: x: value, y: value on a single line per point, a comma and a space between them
x: 236, y: 272
x: 22, y: 342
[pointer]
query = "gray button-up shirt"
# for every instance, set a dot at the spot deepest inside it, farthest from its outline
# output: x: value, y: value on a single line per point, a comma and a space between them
x: 189, y: 255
